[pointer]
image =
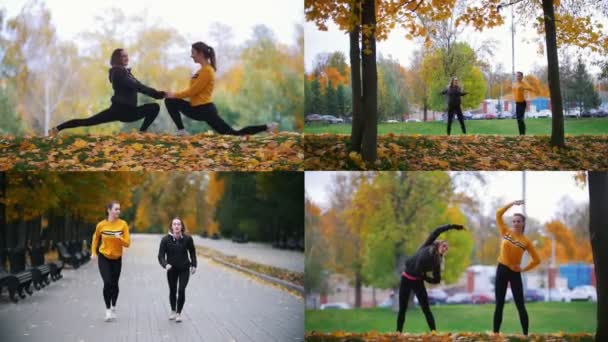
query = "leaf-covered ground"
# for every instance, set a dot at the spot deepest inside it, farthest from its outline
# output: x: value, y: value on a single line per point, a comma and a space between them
x: 443, y: 337
x: 136, y: 151
x: 470, y: 152
x: 276, y: 272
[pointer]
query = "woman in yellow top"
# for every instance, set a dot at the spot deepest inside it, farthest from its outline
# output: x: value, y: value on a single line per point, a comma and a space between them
x: 114, y: 235
x: 520, y: 101
x: 514, y: 244
x: 201, y: 107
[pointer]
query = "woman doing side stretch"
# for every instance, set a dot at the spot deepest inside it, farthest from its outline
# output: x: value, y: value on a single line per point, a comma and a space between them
x: 427, y: 259
x: 124, y: 102
x: 114, y: 235
x: 454, y: 93
x: 201, y: 107
x: 514, y: 244
x: 173, y: 256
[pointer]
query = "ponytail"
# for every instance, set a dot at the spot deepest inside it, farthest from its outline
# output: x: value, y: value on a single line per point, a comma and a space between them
x: 207, y: 52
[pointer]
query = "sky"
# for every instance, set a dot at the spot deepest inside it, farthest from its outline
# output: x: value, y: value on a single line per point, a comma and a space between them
x: 401, y: 49
x: 544, y: 190
x: 190, y: 18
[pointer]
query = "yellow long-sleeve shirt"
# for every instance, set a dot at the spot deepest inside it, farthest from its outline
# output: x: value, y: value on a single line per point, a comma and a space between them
x: 518, y: 90
x: 201, y: 87
x: 514, y: 245
x: 111, y: 245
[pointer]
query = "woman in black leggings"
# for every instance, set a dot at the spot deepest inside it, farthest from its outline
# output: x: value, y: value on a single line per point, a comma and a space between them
x: 173, y: 256
x: 512, y: 247
x: 124, y: 102
x: 427, y: 258
x: 114, y: 235
x: 200, y: 107
x: 454, y: 93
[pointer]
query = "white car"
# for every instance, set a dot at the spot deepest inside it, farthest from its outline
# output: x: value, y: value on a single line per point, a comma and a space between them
x: 331, y: 119
x: 459, y: 298
x: 558, y: 295
x: 413, y: 120
x: 337, y: 305
x: 584, y: 292
x: 392, y: 121
x: 545, y: 113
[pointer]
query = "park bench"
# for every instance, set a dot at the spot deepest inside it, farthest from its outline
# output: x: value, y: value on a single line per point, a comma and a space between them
x: 37, y: 260
x: 18, y: 266
x: 11, y: 283
x: 66, y: 256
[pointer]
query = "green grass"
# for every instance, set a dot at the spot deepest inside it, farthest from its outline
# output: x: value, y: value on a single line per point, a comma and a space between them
x: 544, y: 318
x: 592, y: 126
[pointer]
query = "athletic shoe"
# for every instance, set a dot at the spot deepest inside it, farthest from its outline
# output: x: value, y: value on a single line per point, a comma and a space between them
x: 272, y: 127
x: 178, y: 318
x: 181, y: 132
x: 172, y: 315
x: 108, y: 315
x: 113, y: 312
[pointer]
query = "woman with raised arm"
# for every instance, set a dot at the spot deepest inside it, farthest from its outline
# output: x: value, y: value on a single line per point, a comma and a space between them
x: 512, y: 247
x: 173, y: 257
x: 454, y: 93
x: 114, y: 235
x: 427, y: 259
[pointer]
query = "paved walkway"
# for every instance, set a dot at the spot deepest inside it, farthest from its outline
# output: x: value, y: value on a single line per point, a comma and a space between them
x: 257, y: 252
x: 221, y: 305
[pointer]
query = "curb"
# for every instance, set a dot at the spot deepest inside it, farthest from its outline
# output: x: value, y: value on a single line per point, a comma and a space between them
x: 291, y: 286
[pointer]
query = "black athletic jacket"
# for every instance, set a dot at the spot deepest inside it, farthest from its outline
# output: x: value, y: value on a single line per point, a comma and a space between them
x: 454, y: 95
x: 126, y: 87
x: 175, y: 252
x: 426, y: 259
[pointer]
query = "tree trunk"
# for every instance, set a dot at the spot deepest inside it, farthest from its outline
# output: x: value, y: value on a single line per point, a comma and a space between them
x: 355, y: 76
x: 598, y: 231
x: 358, y: 285
x: 370, y: 83
x: 557, y: 128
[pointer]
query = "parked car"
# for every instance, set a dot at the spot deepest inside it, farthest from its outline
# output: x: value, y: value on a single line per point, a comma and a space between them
x: 460, y: 298
x: 534, y: 295
x: 557, y: 295
x: 413, y: 120
x: 337, y: 305
x: 436, y: 296
x: 489, y: 116
x: 482, y: 298
x: 572, y: 113
x: 313, y: 118
x: 545, y: 113
x: 478, y: 116
x: 467, y: 115
x: 584, y: 292
x: 331, y: 119
x: 392, y: 121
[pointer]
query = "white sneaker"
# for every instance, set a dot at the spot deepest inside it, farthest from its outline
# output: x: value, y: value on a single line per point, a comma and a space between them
x: 108, y: 315
x: 113, y: 312
x: 178, y: 318
x: 181, y: 132
x: 172, y: 315
x: 272, y: 127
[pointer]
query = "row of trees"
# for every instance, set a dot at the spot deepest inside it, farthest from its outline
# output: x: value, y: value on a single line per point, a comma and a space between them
x: 45, y: 80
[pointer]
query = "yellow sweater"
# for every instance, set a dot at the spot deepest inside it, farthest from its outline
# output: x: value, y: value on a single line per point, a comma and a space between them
x: 518, y: 90
x: 514, y: 245
x: 111, y: 245
x: 201, y: 87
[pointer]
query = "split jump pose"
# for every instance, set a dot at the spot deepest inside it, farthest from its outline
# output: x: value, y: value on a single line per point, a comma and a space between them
x: 124, y: 102
x: 200, y: 107
x: 454, y: 93
x: 173, y: 256
x: 114, y: 235
x: 427, y: 258
x: 514, y: 244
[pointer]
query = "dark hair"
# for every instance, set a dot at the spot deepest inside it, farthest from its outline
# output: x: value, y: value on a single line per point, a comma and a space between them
x: 115, y: 59
x: 181, y: 221
x: 109, y: 206
x: 521, y: 73
x: 207, y: 52
x: 523, y: 218
x: 452, y: 81
x: 438, y: 243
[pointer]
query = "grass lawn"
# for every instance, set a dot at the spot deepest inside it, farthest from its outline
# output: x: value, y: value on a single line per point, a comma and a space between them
x: 544, y: 318
x: 591, y: 126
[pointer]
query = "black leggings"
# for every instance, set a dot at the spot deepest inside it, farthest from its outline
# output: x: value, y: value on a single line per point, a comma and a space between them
x: 173, y: 275
x: 520, y: 112
x: 118, y: 112
x: 504, y: 276
x: 110, y: 272
x: 405, y: 289
x: 207, y: 113
x: 455, y: 110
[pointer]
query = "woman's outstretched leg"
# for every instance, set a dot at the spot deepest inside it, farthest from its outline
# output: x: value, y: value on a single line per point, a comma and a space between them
x: 404, y: 297
x: 104, y: 116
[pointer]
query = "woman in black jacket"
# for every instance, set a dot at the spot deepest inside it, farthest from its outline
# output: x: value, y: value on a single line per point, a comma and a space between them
x: 173, y: 256
x: 427, y: 259
x: 124, y: 102
x: 454, y: 92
